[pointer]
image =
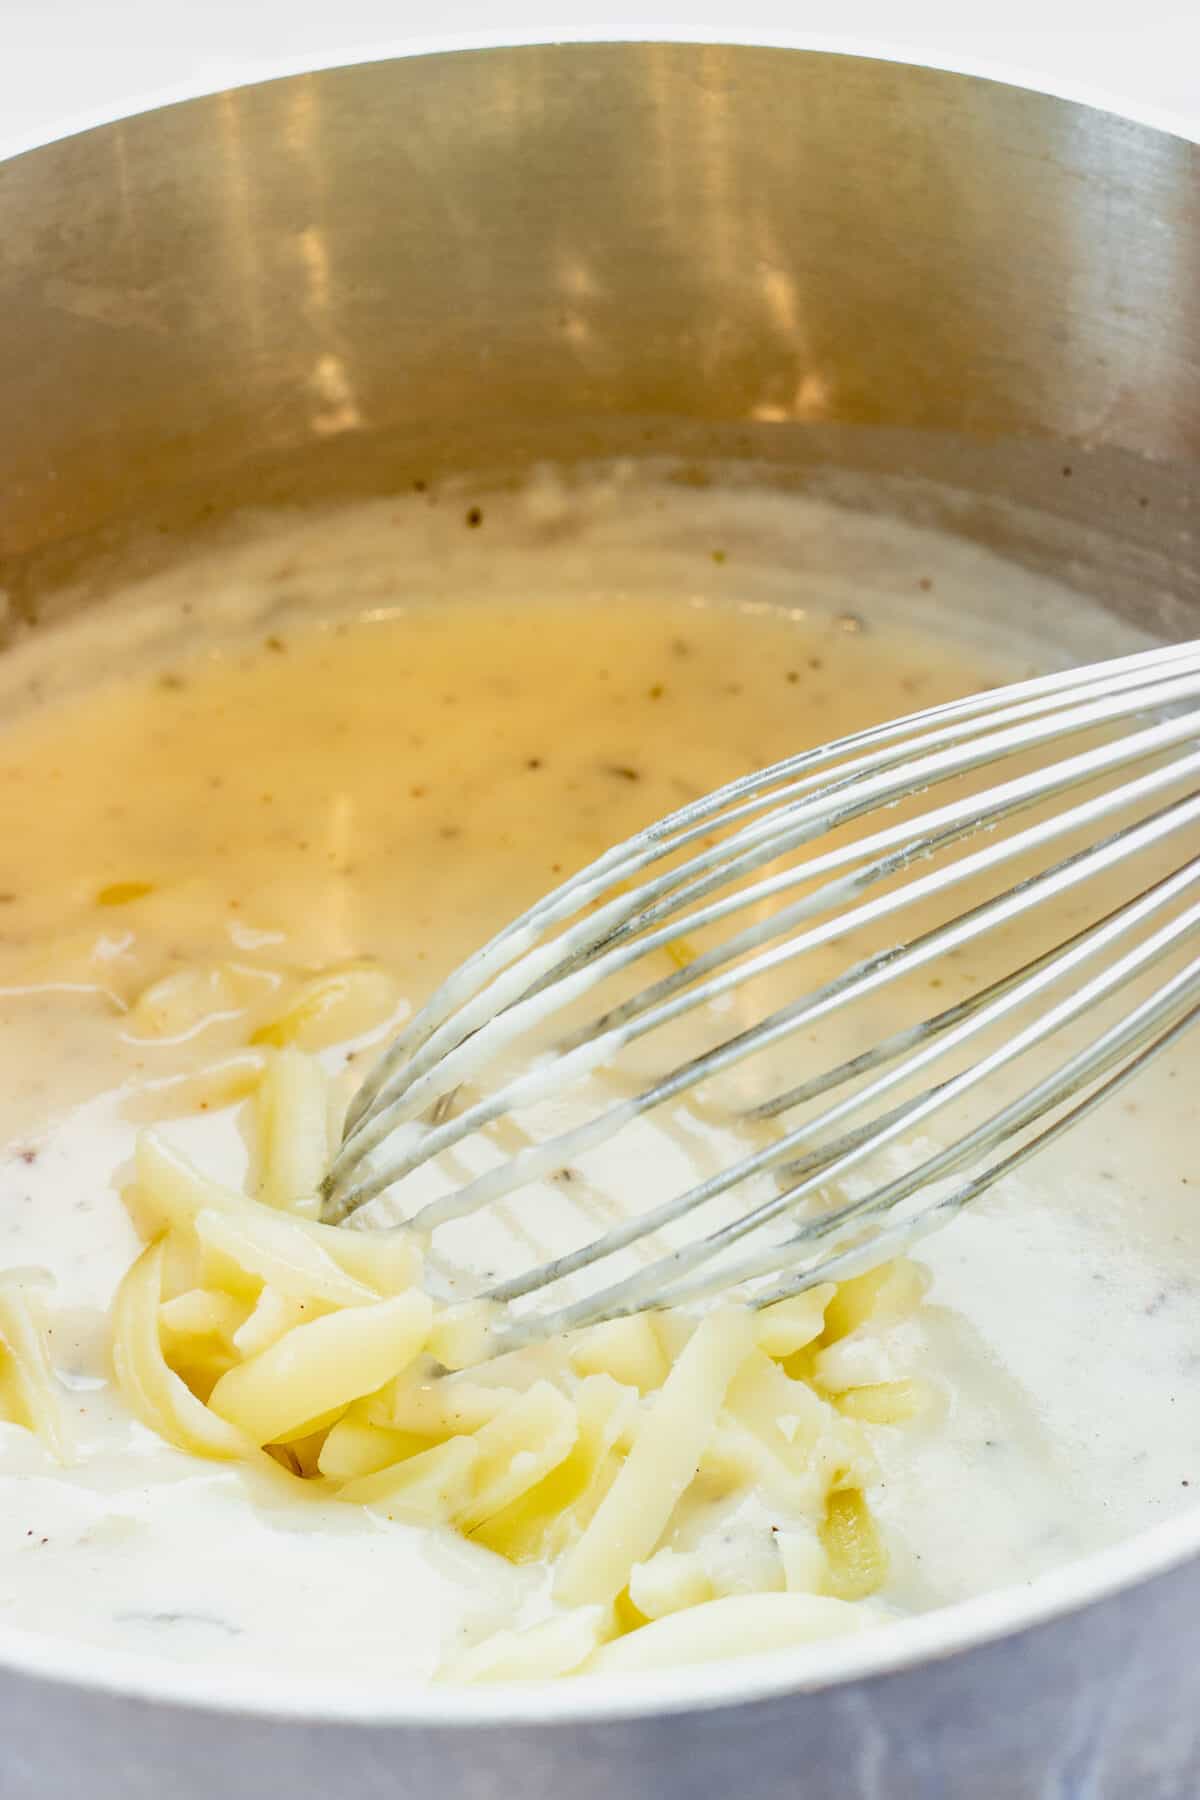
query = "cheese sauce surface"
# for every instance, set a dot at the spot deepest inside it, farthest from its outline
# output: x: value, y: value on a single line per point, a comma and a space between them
x: 379, y: 734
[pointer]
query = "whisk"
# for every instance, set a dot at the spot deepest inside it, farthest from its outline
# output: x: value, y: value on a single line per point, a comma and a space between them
x: 985, y: 817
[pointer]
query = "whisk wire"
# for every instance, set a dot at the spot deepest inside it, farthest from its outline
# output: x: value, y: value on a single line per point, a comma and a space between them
x: 413, y: 1051
x: 578, y: 1058
x: 1002, y: 998
x: 728, y: 871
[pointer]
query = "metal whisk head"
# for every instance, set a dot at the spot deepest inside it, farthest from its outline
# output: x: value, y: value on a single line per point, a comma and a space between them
x: 1045, y: 834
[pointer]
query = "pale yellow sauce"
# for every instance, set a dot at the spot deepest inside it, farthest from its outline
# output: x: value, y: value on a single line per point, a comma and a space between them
x: 397, y: 735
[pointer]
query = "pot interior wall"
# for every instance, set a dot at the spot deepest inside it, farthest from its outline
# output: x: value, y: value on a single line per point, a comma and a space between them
x: 342, y: 282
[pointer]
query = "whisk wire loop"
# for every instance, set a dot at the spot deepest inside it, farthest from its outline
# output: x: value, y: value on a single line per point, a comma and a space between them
x: 1069, y: 782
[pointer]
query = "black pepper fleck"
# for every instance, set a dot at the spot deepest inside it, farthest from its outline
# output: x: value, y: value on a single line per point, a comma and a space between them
x: 474, y: 517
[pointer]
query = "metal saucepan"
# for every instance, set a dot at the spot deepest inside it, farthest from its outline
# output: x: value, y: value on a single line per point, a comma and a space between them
x: 961, y: 300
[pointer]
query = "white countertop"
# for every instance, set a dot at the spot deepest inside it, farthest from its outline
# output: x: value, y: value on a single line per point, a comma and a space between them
x: 66, y: 63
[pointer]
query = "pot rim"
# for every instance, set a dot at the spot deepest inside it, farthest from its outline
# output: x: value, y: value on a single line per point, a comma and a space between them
x: 866, y: 48
x: 891, y: 1648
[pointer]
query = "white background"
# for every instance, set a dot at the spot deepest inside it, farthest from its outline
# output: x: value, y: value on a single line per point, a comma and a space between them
x: 69, y: 62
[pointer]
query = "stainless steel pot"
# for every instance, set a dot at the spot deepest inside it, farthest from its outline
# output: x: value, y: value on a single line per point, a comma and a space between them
x: 956, y: 299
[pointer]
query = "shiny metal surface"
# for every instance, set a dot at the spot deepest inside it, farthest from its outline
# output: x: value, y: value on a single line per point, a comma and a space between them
x: 466, y: 257
x: 960, y: 300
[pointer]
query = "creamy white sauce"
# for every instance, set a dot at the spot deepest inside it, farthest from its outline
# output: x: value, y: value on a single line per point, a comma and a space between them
x: 393, y: 731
